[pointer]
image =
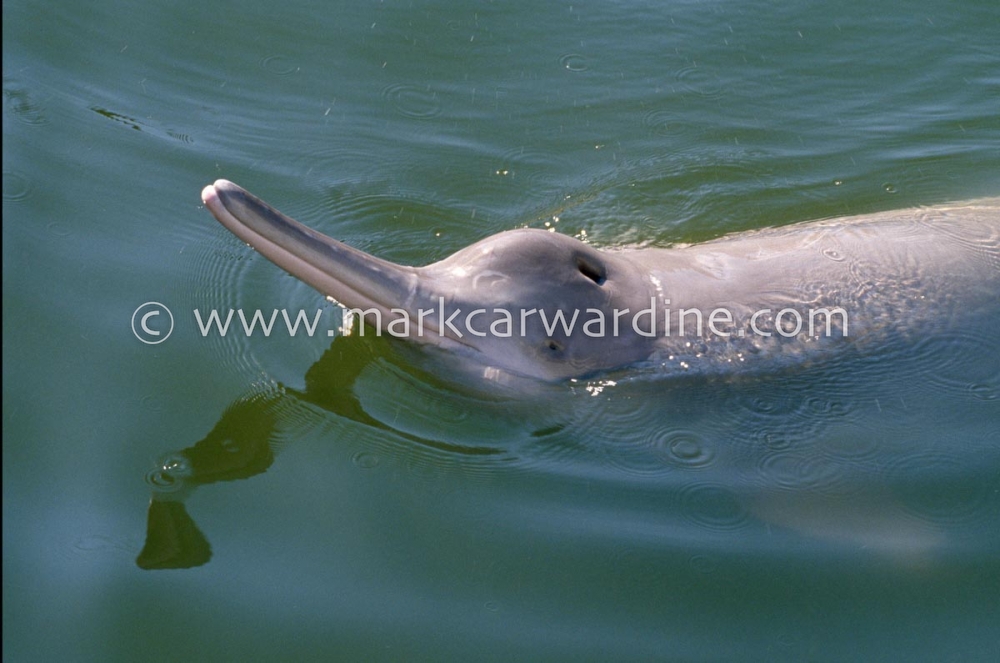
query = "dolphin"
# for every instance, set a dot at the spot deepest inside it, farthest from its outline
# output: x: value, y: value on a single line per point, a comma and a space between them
x: 537, y: 304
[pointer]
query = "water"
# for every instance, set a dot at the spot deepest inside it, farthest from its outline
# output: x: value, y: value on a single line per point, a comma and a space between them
x: 837, y: 512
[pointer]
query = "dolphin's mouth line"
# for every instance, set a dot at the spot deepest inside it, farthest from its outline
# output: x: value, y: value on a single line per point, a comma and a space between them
x: 350, y: 277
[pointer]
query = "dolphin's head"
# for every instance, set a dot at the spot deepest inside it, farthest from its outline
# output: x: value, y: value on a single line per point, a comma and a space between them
x: 547, y: 303
x: 529, y: 302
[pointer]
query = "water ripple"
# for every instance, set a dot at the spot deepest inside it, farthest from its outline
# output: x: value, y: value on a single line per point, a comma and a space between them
x: 366, y: 460
x: 640, y: 460
x: 800, y: 472
x: 182, y: 137
x: 573, y: 62
x: 351, y: 163
x: 413, y: 227
x: 984, y: 392
x: 222, y: 283
x: 16, y: 186
x: 687, y: 448
x: 100, y: 543
x: 525, y: 172
x: 170, y: 474
x: 278, y: 65
x: 713, y: 506
x: 960, y: 364
x: 700, y: 81
x: 412, y: 101
x: 776, y: 418
x: 661, y: 122
x: 852, y: 445
x: 22, y: 106
x: 58, y: 229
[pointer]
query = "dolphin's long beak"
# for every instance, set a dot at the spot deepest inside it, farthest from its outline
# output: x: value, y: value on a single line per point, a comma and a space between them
x: 351, y: 277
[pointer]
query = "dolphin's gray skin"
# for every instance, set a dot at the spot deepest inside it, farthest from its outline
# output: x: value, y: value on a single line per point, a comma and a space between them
x: 913, y: 271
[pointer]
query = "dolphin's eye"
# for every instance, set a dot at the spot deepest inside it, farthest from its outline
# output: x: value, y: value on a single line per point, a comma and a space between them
x: 553, y: 345
x: 592, y: 270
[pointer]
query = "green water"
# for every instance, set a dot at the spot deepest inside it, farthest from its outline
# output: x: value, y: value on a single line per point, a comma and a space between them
x: 843, y: 512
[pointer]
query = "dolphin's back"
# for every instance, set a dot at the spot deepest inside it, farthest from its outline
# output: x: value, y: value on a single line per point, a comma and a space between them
x: 915, y: 272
